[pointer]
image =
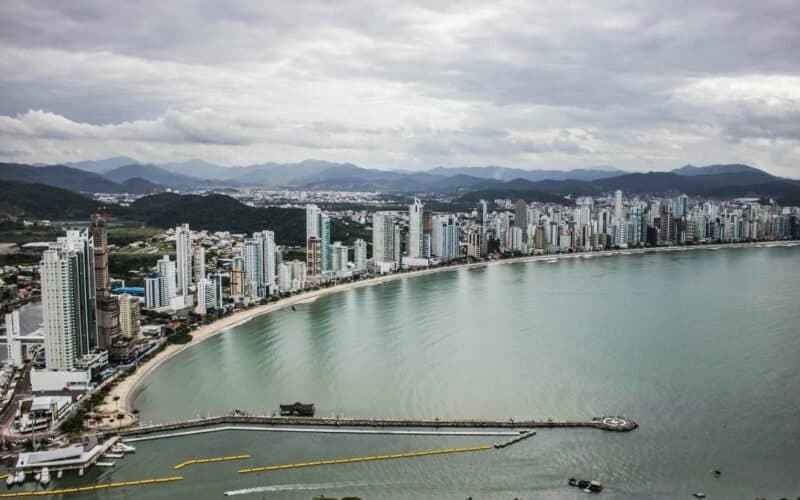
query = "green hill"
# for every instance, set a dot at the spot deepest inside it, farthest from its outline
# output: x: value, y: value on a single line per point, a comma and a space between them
x: 216, y: 212
x: 21, y: 199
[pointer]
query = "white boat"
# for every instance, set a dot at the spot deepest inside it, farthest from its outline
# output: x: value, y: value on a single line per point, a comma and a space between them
x: 105, y: 464
x: 19, y: 477
x: 113, y: 455
x: 122, y: 448
x: 44, y: 477
x: 10, y: 480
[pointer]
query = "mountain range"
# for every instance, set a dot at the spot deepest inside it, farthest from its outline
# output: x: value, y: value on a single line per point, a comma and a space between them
x: 117, y: 175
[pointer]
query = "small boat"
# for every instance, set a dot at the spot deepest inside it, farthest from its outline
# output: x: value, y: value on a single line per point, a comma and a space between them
x: 122, y: 448
x: 699, y: 494
x: 10, y: 480
x: 44, y: 477
x: 113, y: 455
x: 105, y: 464
x: 19, y: 477
x: 586, y: 486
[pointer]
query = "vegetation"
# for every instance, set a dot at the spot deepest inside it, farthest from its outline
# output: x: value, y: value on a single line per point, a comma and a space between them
x: 20, y: 199
x: 120, y: 264
x: 217, y: 212
x: 125, y: 235
x: 180, y: 335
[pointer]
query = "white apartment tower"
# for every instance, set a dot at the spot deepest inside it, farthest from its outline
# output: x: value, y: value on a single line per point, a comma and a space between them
x: 384, y: 233
x: 59, y: 303
x: 360, y: 255
x: 13, y: 340
x: 259, y: 264
x: 415, y: 230
x: 183, y: 259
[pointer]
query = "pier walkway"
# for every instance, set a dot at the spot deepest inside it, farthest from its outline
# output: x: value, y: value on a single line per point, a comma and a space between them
x: 617, y: 424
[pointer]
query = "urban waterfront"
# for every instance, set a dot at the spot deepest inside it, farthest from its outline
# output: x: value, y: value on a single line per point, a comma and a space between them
x: 699, y: 347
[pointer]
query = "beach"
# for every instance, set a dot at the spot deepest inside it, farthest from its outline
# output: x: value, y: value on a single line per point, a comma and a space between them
x: 126, y: 391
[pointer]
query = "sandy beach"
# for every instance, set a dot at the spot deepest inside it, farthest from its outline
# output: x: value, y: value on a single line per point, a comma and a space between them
x: 126, y: 390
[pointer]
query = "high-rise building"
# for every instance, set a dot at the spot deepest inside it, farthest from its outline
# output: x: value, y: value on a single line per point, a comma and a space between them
x: 152, y: 292
x: 318, y: 226
x: 13, y: 341
x: 474, y: 243
x: 618, y: 207
x: 259, y: 264
x: 68, y: 300
x: 314, y: 256
x: 521, y: 217
x: 237, y: 277
x: 385, y: 238
x: 209, y: 294
x: 106, y: 304
x: 129, y: 315
x: 360, y: 255
x: 325, y: 237
x: 312, y: 221
x: 445, y: 237
x: 168, y: 287
x: 199, y: 263
x: 183, y: 259
x: 339, y: 257
x: 415, y: 230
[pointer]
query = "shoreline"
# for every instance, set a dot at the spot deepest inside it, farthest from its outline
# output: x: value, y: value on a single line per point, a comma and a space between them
x: 127, y: 390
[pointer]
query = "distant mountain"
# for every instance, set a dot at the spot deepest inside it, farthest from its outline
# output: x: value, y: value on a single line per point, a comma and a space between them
x: 40, y: 201
x: 290, y: 174
x: 153, y: 174
x: 744, y: 182
x: 507, y: 174
x: 69, y: 178
x: 200, y: 169
x: 735, y: 168
x: 58, y: 176
x: 138, y: 185
x: 102, y: 166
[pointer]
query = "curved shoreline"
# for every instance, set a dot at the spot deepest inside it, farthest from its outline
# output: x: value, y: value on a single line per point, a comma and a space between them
x: 130, y: 387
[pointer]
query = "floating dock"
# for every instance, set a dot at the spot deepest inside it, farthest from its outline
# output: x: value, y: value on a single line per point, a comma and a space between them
x: 197, y: 461
x: 94, y: 487
x: 372, y: 458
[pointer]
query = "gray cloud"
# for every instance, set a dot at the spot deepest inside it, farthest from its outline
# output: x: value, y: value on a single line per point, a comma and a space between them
x: 638, y: 85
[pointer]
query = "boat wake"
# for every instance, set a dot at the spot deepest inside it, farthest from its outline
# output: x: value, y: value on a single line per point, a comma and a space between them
x: 299, y: 487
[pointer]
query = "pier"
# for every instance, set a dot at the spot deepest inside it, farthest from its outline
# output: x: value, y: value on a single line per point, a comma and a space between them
x: 612, y: 424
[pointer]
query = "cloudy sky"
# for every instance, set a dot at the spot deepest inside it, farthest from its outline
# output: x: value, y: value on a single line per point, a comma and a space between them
x: 637, y: 85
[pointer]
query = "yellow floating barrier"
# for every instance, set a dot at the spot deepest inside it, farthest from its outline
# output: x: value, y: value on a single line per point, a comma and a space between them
x: 211, y: 460
x: 94, y: 487
x: 352, y: 460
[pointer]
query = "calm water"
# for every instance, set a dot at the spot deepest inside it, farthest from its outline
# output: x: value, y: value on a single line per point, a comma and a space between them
x: 702, y: 348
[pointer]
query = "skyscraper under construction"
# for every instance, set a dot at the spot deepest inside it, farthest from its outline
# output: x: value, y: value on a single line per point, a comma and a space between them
x: 107, y: 306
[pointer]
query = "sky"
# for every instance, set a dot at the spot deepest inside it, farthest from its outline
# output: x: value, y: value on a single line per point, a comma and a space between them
x: 646, y: 85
